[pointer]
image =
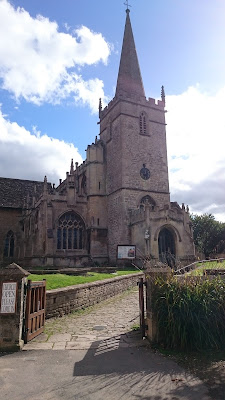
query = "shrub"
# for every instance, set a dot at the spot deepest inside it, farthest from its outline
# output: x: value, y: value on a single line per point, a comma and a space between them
x: 190, y: 313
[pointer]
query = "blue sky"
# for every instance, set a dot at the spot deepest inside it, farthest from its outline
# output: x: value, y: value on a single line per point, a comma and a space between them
x: 57, y: 58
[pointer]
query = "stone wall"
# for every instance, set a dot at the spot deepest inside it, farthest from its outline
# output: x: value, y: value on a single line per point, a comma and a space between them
x: 11, y: 320
x: 65, y: 300
x: 9, y: 218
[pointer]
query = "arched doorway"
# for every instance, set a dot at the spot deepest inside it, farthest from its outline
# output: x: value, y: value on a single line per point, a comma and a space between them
x: 166, y: 245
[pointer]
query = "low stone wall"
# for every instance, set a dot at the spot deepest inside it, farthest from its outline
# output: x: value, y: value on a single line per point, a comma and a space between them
x: 65, y: 300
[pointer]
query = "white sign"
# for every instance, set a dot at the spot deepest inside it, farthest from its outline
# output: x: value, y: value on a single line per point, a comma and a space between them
x: 8, y: 300
x: 126, y: 252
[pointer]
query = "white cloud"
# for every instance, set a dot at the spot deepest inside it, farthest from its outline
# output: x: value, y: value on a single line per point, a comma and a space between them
x: 41, y: 64
x: 84, y: 92
x: 196, y: 143
x: 37, y: 61
x: 27, y: 155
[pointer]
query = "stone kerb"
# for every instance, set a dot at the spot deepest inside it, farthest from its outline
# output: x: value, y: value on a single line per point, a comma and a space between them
x: 12, y: 280
x: 65, y: 300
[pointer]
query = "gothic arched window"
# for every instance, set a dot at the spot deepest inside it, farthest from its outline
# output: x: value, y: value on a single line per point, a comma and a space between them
x: 70, y: 232
x: 143, y: 124
x: 147, y: 200
x: 9, y: 245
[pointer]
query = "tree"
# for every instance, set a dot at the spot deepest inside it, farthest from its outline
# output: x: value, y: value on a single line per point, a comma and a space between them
x: 208, y: 233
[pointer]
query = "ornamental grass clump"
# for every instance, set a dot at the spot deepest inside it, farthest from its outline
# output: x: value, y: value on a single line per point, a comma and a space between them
x: 190, y: 313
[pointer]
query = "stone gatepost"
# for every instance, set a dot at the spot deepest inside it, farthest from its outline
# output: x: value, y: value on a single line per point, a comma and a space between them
x: 151, y: 274
x: 12, y: 280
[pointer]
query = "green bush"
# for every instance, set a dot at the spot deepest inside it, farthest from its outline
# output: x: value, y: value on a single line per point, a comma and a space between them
x: 190, y: 313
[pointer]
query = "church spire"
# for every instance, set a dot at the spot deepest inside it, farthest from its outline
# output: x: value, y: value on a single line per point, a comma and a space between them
x: 129, y: 81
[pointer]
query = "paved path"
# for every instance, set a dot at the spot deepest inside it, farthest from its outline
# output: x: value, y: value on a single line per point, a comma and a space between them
x: 108, y: 321
x: 95, y: 356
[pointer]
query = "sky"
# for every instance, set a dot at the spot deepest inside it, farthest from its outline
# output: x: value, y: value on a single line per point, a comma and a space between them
x: 57, y: 58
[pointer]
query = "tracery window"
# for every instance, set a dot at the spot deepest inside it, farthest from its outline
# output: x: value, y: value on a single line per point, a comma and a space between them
x: 70, y: 232
x: 147, y: 200
x: 143, y: 124
x: 9, y: 245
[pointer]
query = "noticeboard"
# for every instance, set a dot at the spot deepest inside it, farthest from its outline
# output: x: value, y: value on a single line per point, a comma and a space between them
x: 126, y: 252
x: 8, y: 298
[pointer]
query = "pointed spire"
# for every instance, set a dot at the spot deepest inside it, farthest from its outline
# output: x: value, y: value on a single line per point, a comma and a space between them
x: 129, y: 80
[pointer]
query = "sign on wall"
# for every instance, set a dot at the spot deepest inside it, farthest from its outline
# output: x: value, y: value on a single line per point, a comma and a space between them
x: 8, y: 298
x: 126, y: 252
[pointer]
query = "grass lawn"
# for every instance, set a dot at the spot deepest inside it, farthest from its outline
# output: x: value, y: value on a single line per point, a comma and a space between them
x: 199, y: 271
x: 55, y: 281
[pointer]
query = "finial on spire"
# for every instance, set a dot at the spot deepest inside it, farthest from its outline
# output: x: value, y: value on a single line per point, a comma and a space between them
x: 127, y: 5
x: 163, y: 96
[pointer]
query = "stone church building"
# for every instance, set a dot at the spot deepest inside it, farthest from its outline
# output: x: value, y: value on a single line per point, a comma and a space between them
x: 118, y: 196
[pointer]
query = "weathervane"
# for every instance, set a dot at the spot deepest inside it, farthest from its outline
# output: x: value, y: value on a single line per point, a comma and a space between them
x: 127, y: 4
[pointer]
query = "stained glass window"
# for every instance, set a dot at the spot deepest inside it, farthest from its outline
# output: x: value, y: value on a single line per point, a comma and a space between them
x: 70, y: 232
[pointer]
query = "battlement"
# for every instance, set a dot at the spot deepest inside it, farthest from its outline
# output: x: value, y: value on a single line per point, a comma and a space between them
x: 95, y: 152
x: 108, y: 107
x: 155, y: 103
x: 149, y: 102
x: 81, y: 168
x: 94, y: 144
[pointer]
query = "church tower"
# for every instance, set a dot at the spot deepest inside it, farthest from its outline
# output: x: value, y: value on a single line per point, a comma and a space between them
x: 119, y: 195
x: 132, y: 129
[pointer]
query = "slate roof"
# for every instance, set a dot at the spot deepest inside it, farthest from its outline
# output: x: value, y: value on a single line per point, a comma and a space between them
x: 13, y: 192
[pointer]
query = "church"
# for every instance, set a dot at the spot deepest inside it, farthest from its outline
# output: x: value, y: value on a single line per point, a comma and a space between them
x: 116, y: 204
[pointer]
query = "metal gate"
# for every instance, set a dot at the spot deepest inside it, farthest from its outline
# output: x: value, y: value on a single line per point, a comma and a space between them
x: 35, y: 309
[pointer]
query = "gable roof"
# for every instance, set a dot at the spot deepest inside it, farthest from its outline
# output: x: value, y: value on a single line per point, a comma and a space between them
x: 14, y: 192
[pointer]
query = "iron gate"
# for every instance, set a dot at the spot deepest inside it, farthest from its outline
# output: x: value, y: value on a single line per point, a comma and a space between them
x: 35, y: 309
x: 141, y: 285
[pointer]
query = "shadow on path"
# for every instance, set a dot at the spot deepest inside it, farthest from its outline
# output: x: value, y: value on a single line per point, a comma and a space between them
x: 119, y: 369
